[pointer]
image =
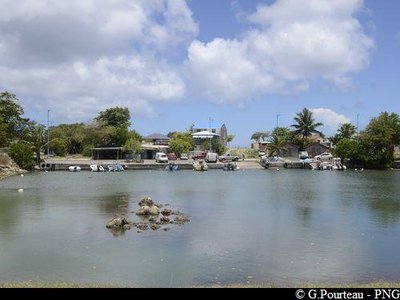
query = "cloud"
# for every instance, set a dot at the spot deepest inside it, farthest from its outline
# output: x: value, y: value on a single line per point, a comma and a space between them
x: 331, y: 119
x: 77, y: 57
x: 292, y: 43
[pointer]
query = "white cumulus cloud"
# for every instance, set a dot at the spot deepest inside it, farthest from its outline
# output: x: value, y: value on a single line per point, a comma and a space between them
x: 78, y: 57
x: 331, y: 119
x: 292, y: 43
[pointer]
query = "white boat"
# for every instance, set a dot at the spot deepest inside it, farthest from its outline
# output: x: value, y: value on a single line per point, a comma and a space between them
x: 116, y: 167
x: 97, y: 168
x: 200, y: 166
x: 74, y: 168
x: 172, y: 167
x: 230, y: 166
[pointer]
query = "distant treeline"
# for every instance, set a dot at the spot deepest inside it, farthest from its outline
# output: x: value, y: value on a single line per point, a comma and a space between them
x: 373, y: 147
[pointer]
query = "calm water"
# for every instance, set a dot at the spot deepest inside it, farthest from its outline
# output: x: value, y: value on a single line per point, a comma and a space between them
x: 282, y: 227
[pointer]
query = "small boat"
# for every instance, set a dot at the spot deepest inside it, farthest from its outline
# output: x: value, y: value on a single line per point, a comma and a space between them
x: 97, y: 168
x: 115, y: 168
x: 230, y: 166
x: 200, y: 166
x: 74, y: 168
x: 172, y: 167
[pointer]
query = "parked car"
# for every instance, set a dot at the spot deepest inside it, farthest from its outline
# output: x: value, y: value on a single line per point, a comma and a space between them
x: 229, y: 157
x: 161, y: 157
x: 198, y: 155
x: 211, y: 157
x: 184, y: 156
x: 171, y: 156
x: 324, y: 156
x: 303, y: 155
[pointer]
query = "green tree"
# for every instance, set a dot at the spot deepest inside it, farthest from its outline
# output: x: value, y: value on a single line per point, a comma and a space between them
x: 230, y: 138
x: 256, y: 135
x: 283, y: 133
x: 11, y: 120
x: 59, y: 146
x: 346, y: 131
x: 116, y: 117
x: 377, y: 141
x: 74, y: 136
x: 3, y: 133
x: 216, y: 146
x: 305, y: 124
x: 38, y: 139
x: 181, y: 142
x: 21, y: 152
x: 276, y: 146
x: 134, y: 145
x: 348, y: 150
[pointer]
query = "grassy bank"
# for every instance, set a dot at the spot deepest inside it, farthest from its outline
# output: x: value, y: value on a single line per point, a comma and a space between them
x: 31, y: 284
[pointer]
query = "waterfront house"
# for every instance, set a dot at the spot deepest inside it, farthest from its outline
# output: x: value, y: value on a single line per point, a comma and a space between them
x: 154, y: 143
x: 201, y: 136
x: 107, y: 153
x: 316, y: 149
x: 158, y: 139
x: 261, y: 144
x: 216, y: 129
x: 315, y: 137
x: 292, y: 150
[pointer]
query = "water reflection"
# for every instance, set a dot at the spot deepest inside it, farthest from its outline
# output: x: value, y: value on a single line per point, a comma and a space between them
x: 114, y: 204
x: 282, y: 227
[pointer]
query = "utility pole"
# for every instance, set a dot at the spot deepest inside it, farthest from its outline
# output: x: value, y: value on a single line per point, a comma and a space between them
x: 357, y: 123
x: 209, y: 128
x: 48, y: 133
x: 277, y: 120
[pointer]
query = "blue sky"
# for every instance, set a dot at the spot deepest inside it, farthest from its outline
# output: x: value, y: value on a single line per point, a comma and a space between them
x: 176, y: 62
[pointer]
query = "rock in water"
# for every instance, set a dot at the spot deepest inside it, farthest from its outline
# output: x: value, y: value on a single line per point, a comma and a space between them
x: 164, y: 220
x: 146, y: 202
x: 143, y: 211
x: 117, y: 223
x: 154, y: 210
x: 166, y: 212
x: 181, y: 219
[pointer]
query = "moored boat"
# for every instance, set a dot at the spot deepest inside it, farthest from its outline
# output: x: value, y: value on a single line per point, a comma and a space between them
x: 230, y: 166
x: 74, y: 168
x: 97, y: 168
x: 200, y: 166
x: 116, y: 167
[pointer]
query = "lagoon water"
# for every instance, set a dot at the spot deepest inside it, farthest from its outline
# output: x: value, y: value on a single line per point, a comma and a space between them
x: 282, y: 227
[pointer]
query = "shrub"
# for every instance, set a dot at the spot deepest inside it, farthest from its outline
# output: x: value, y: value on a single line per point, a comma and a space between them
x: 4, y: 159
x: 59, y: 146
x: 87, y: 150
x: 22, y: 153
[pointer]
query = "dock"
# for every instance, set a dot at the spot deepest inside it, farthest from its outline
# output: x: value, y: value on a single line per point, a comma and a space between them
x: 84, y: 164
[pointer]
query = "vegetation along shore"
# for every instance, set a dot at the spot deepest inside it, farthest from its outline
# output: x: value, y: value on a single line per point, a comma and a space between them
x: 26, y: 141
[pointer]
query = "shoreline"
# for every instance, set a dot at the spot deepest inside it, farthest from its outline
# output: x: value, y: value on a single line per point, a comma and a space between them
x: 43, y: 284
x: 62, y: 164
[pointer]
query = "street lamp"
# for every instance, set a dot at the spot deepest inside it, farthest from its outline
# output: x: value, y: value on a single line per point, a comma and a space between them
x: 209, y: 127
x: 48, y: 133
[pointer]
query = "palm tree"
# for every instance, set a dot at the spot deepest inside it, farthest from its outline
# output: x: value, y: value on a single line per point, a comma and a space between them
x: 256, y: 135
x: 347, y: 131
x: 37, y: 139
x: 276, y: 146
x: 305, y: 123
x: 229, y: 139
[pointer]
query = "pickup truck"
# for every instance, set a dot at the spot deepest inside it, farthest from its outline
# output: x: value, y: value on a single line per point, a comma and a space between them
x: 229, y: 157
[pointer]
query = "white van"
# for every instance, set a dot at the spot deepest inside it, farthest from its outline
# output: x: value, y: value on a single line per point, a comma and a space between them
x: 211, y: 157
x: 161, y: 157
